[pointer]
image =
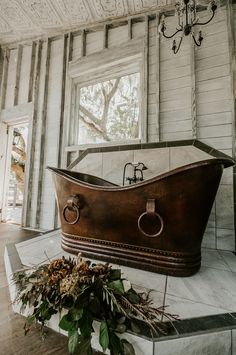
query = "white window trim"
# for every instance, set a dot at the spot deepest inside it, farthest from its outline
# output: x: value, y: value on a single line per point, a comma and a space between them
x: 109, y: 63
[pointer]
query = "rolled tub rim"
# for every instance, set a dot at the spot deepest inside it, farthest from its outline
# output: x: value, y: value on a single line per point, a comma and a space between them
x: 226, y: 162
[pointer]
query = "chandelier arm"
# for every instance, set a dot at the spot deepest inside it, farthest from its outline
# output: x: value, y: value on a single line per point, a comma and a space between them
x: 186, y: 13
x: 195, y: 41
x: 171, y: 35
x: 204, y: 23
x: 176, y: 51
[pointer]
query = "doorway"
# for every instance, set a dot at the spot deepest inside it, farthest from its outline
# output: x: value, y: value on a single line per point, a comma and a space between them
x: 15, y: 173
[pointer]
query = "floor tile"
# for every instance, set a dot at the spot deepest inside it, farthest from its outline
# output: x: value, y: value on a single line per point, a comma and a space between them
x: 213, y: 258
x: 141, y: 346
x: 149, y: 280
x: 225, y: 239
x: 209, y: 238
x: 207, y: 344
x: 28, y: 260
x: 230, y: 259
x: 233, y: 341
x: 40, y: 249
x: 185, y: 308
x: 209, y: 286
x: 55, y: 234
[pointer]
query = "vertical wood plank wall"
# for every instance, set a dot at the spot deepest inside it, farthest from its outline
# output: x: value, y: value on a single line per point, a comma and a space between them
x: 189, y: 95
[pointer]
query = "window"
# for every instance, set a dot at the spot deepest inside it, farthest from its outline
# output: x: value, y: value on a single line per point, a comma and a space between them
x: 107, y: 101
x: 109, y: 110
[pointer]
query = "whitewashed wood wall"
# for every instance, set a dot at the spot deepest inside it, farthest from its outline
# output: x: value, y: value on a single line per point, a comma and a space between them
x: 190, y: 95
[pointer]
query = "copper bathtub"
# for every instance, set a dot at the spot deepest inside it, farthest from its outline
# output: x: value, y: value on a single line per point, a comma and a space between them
x: 155, y: 225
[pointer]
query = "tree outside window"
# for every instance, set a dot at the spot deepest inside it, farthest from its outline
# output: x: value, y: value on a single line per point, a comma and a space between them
x: 109, y: 110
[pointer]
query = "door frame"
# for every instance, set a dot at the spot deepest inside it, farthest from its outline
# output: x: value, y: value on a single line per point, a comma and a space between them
x: 6, y: 175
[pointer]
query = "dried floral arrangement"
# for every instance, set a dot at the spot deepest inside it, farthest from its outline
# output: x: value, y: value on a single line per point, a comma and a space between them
x: 88, y: 292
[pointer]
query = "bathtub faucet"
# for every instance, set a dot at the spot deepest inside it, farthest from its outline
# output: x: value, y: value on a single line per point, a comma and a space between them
x: 138, y: 168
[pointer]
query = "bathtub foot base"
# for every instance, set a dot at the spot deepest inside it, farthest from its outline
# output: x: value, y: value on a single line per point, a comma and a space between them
x: 159, y: 261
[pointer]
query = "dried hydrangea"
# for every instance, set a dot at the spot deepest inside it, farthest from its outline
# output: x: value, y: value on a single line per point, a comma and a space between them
x: 69, y: 286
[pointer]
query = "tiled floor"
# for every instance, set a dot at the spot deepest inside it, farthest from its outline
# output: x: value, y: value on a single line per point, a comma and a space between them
x: 211, y: 291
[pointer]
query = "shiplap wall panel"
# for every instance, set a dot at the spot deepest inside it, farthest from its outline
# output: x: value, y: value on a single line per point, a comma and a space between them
x: 166, y: 45
x: 221, y: 130
x: 214, y: 116
x: 11, y: 79
x: 175, y: 104
x: 213, y: 95
x: 215, y: 119
x: 175, y: 88
x: 220, y: 143
x: 211, y: 48
x: 177, y: 115
x: 172, y: 84
x: 213, y: 85
x: 52, y: 133
x: 117, y: 36
x: 138, y: 29
x: 77, y: 46
x: 94, y: 42
x: 24, y: 74
x: 153, y: 125
x: 38, y: 137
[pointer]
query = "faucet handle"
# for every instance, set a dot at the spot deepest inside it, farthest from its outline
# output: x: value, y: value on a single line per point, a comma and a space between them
x: 129, y: 179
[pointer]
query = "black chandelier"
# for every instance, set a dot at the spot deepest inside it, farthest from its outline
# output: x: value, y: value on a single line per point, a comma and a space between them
x: 186, y: 11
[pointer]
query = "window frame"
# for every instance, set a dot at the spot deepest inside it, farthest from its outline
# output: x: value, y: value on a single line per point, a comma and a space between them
x: 105, y: 65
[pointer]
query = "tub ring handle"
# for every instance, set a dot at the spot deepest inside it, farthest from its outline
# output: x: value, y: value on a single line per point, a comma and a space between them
x: 151, y: 210
x: 72, y: 205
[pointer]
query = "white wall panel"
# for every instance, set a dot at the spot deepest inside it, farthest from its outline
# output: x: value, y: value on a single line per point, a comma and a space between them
x: 25, y: 75
x: 38, y: 137
x: 52, y: 133
x: 94, y: 42
x: 11, y: 79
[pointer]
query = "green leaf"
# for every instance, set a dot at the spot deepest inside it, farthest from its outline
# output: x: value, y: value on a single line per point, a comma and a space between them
x: 43, y: 308
x: 128, y: 348
x: 76, y: 314
x: 104, y: 336
x: 117, y: 287
x: 67, y: 324
x: 117, y: 346
x: 133, y: 296
x: 73, y: 341
x: 94, y: 306
x: 98, y: 288
x: 83, y: 297
x: 115, y: 275
x: 30, y: 319
x: 86, y: 323
x: 84, y: 347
